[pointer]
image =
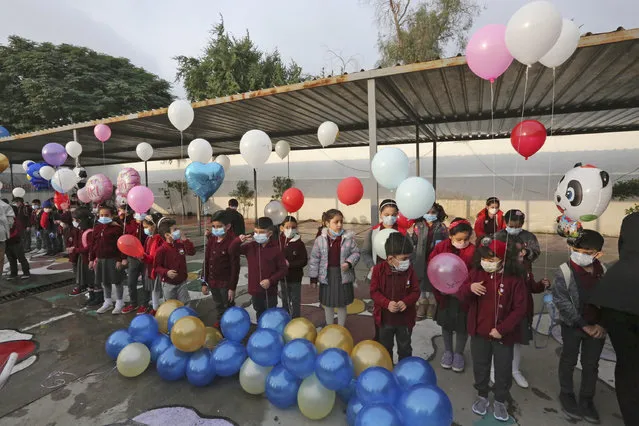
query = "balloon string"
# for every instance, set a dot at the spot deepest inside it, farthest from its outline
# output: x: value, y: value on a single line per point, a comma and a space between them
x: 182, y: 186
x: 103, y: 156
x: 492, y: 134
x: 552, y: 121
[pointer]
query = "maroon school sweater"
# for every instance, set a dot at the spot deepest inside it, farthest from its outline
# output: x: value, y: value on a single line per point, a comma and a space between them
x: 264, y: 262
x: 295, y: 253
x: 222, y: 268
x: 105, y: 242
x: 389, y: 285
x: 173, y: 257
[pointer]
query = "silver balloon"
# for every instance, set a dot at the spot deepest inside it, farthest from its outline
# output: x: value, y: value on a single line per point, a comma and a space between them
x: 253, y: 377
x: 276, y: 212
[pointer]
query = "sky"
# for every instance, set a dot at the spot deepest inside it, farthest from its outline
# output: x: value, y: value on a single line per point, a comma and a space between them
x: 151, y: 32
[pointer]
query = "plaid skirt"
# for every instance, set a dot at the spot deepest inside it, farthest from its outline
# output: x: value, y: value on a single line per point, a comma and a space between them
x: 334, y: 294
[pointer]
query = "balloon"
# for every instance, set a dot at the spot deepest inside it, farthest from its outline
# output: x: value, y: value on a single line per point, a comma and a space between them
x: 282, y: 387
x: 171, y: 365
x: 26, y: 164
x: 102, y: 132
x: 265, y: 347
x: 425, y: 405
x: 47, y: 172
x: 282, y: 148
x: 350, y: 191
x: 85, y: 237
x: 178, y: 314
x: 188, y: 334
x: 487, y: 54
x: 61, y: 201
x: 292, y: 200
x: 83, y: 195
x: 213, y: 337
x: 390, y: 167
x: 18, y: 192
x: 99, y: 187
x: 378, y: 413
x: 298, y: 357
x: 133, y: 359
x: 415, y: 196
x: 274, y: 319
x: 583, y: 193
x: 413, y: 371
x: 4, y: 132
x: 130, y: 246
x: 564, y: 47
x: 228, y: 358
x: 327, y: 133
x: 255, y: 147
x: 532, y: 31
x: 223, y: 161
x: 116, y: 342
x: 377, y: 384
x: 379, y: 242
x: 314, y: 400
x: 447, y: 272
x: 235, y: 324
x: 200, y: 371
x: 74, y: 149
x: 300, y: 328
x: 334, y: 336
x: 128, y: 178
x: 144, y: 329
x: 334, y: 369
x: 144, y: 151
x: 528, y: 137
x: 33, y: 174
x: 171, y: 307
x: 161, y: 343
x: 275, y: 211
x: 200, y: 150
x: 253, y: 377
x: 120, y: 201
x: 54, y: 154
x: 64, y: 180
x: 204, y: 179
x: 568, y: 228
x: 348, y: 392
x: 181, y: 114
x: 4, y: 163
x: 403, y: 222
x: 140, y: 199
x: 353, y: 409
x: 369, y: 353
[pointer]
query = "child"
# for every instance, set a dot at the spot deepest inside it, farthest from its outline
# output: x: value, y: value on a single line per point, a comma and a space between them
x: 266, y: 264
x: 221, y: 269
x: 23, y: 216
x: 296, y: 258
x: 333, y: 259
x: 79, y: 256
x: 15, y: 250
x: 388, y: 220
x: 395, y: 290
x: 152, y: 283
x: 490, y: 220
x: 496, y: 293
x: 49, y: 229
x: 452, y: 315
x: 170, y: 261
x: 580, y: 329
x: 35, y: 224
x: 135, y: 267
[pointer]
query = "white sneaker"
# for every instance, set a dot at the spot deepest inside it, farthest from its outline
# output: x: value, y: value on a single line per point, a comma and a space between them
x: 520, y: 379
x: 107, y: 306
x: 119, y: 305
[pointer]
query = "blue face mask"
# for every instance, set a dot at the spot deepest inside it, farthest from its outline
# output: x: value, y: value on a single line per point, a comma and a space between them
x: 147, y: 232
x: 389, y: 220
x: 260, y: 238
x: 513, y: 231
x: 105, y: 220
x: 35, y: 206
x: 176, y: 235
x: 218, y: 232
x: 336, y: 234
x: 430, y: 217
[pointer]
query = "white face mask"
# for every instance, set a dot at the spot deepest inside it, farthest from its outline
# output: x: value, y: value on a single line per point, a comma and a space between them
x: 402, y: 265
x: 290, y: 232
x: 461, y: 245
x: 490, y: 266
x: 75, y: 224
x: 389, y: 220
x: 582, y: 259
x: 513, y: 231
x: 260, y: 238
x: 493, y: 210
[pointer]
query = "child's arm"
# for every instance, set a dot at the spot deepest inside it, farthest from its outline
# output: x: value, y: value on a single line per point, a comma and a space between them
x: 535, y: 287
x: 237, y: 248
x: 281, y: 271
x: 378, y: 297
x: 465, y: 293
x: 235, y: 271
x: 367, y: 250
x: 562, y: 300
x: 189, y: 248
x: 354, y: 257
x: 158, y: 264
x: 438, y: 249
x: 519, y: 309
x: 413, y: 296
x: 533, y: 250
x: 300, y: 260
x: 313, y: 265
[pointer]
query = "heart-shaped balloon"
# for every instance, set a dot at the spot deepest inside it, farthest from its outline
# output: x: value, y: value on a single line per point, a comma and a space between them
x: 204, y: 179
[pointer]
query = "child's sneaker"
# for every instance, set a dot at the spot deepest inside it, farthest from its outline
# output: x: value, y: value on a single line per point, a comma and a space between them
x: 119, y: 305
x: 106, y: 306
x: 152, y: 312
x: 588, y: 411
x: 76, y: 292
x: 25, y: 276
x: 447, y: 360
x: 480, y: 406
x: 11, y: 277
x: 520, y: 379
x: 142, y: 310
x: 129, y: 308
x: 458, y: 363
x: 500, y: 412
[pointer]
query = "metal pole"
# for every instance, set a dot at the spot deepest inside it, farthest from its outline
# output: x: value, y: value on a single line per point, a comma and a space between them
x: 417, y: 156
x: 372, y: 144
x: 146, y: 174
x: 255, y: 189
x: 11, y: 172
x: 435, y: 158
x: 199, y: 214
x: 288, y: 165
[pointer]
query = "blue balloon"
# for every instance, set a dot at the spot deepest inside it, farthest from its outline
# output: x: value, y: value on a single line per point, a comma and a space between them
x: 265, y: 347
x: 413, y: 371
x: 282, y: 387
x: 353, y: 409
x: 144, y: 329
x: 116, y: 342
x: 377, y: 414
x: 298, y: 357
x: 377, y: 384
x: 425, y: 405
x: 4, y: 132
x: 178, y: 314
x: 274, y: 319
x: 345, y: 394
x: 228, y: 357
x: 334, y: 369
x: 33, y: 176
x: 235, y: 324
x: 171, y: 365
x: 161, y: 343
x: 204, y: 179
x: 200, y: 371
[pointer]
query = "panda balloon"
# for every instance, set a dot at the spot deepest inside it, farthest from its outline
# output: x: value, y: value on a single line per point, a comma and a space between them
x: 81, y: 173
x: 583, y: 194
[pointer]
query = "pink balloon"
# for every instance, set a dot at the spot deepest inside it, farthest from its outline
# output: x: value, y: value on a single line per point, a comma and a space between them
x: 447, y: 272
x: 486, y: 52
x: 99, y: 188
x: 140, y: 199
x: 83, y: 195
x: 85, y: 237
x: 102, y: 132
x: 128, y: 178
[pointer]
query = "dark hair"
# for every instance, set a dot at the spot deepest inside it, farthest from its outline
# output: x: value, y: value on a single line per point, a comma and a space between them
x: 397, y: 244
x: 35, y: 200
x: 233, y: 203
x: 587, y: 240
x: 288, y: 219
x: 512, y: 265
x: 165, y: 226
x: 5, y: 200
x: 441, y: 213
x: 461, y: 227
x: 74, y: 195
x: 18, y: 200
x: 84, y: 217
x: 220, y: 216
x: 327, y: 216
x: 493, y: 200
x: 153, y: 219
x: 264, y: 223
x: 514, y: 215
x: 108, y: 207
x: 387, y: 203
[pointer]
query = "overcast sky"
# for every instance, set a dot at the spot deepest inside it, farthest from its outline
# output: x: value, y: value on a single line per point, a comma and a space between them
x: 151, y: 32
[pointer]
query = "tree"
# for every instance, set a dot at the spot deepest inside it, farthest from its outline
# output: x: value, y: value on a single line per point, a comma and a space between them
x: 178, y: 186
x: 281, y: 184
x: 232, y: 65
x: 622, y: 190
x: 45, y: 85
x: 244, y: 195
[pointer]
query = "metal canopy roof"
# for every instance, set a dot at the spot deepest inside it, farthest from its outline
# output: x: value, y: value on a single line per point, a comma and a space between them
x: 596, y: 91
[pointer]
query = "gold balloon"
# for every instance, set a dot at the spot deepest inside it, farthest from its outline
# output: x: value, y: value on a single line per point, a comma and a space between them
x: 213, y: 337
x: 369, y: 353
x: 163, y: 313
x: 300, y: 328
x: 133, y: 360
x: 334, y: 336
x: 4, y: 163
x: 188, y: 334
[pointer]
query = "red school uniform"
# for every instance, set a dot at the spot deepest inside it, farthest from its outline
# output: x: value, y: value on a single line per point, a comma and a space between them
x: 485, y: 225
x: 222, y: 269
x: 173, y: 257
x: 296, y: 255
x: 105, y: 242
x: 389, y: 285
x: 75, y: 241
x: 151, y: 246
x: 466, y: 254
x: 264, y: 262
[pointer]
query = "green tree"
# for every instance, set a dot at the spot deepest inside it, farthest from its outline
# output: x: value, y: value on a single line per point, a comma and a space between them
x: 45, y: 85
x: 244, y: 195
x: 281, y: 184
x: 625, y: 189
x: 178, y: 186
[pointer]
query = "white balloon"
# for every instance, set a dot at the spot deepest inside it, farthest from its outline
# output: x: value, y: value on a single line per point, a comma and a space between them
x: 200, y: 150
x: 144, y: 151
x: 74, y: 149
x: 18, y: 192
x: 282, y: 148
x: 415, y: 196
x: 253, y: 377
x: 327, y: 133
x: 26, y: 164
x: 63, y: 180
x: 47, y: 172
x: 224, y: 161
x: 276, y: 212
x: 379, y: 242
x: 1, y: 185
x: 255, y: 147
x: 532, y: 31
x: 181, y: 114
x: 390, y: 167
x: 564, y: 47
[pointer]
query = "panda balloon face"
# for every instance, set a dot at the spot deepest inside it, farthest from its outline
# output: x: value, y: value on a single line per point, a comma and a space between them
x: 584, y: 193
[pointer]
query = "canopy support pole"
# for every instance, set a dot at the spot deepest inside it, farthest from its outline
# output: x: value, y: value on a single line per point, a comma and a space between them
x: 372, y: 146
x: 417, y: 156
x: 255, y: 189
x: 435, y: 158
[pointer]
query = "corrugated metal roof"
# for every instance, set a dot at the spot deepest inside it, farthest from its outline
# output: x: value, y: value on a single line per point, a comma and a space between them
x: 595, y: 91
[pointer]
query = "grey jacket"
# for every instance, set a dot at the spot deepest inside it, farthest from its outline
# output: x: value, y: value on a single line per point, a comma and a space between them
x: 419, y: 237
x: 565, y: 296
x: 531, y: 244
x: 7, y: 217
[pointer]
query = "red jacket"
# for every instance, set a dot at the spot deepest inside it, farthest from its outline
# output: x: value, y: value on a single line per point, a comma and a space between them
x: 222, y: 269
x: 78, y: 247
x: 105, y: 242
x: 480, y: 222
x: 173, y: 257
x: 264, y: 262
x: 388, y: 285
x: 510, y: 305
x: 23, y: 215
x: 466, y: 255
x: 296, y: 255
x: 74, y: 239
x: 396, y: 227
x: 151, y: 246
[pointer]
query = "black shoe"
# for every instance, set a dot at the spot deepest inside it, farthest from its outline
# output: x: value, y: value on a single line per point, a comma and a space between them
x: 11, y: 277
x: 569, y: 406
x: 98, y: 299
x: 588, y: 410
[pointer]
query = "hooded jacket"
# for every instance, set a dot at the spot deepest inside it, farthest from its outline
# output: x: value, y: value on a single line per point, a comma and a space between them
x: 482, y: 218
x: 296, y: 255
x: 318, y: 265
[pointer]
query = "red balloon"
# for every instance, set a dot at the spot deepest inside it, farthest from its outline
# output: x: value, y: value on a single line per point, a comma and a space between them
x: 528, y: 137
x: 131, y: 246
x: 292, y: 200
x: 404, y: 222
x: 60, y: 199
x: 350, y: 191
x: 447, y: 272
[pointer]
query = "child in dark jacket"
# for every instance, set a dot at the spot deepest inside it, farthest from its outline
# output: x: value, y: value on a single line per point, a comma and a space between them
x: 296, y: 258
x: 36, y: 213
x: 79, y: 256
x: 170, y: 261
x: 49, y: 229
x: 14, y: 249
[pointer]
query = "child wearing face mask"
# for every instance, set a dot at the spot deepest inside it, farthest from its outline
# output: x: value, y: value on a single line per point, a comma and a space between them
x: 388, y: 213
x: 49, y: 229
x: 152, y: 282
x: 132, y: 225
x: 266, y: 264
x: 170, y: 261
x: 296, y: 258
x: 490, y: 220
x: 395, y: 290
x: 79, y: 256
x: 36, y: 213
x: 452, y: 315
x: 333, y: 259
x: 581, y: 331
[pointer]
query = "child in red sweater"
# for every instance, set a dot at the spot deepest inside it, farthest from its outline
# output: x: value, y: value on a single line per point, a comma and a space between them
x: 296, y: 258
x: 79, y: 256
x: 152, y: 283
x: 134, y: 267
x: 170, y: 261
